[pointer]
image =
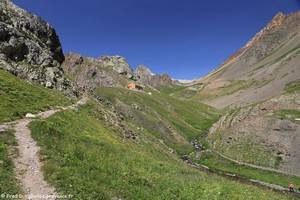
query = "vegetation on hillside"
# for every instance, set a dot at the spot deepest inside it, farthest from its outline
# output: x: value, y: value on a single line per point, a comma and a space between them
x: 89, y: 160
x: 293, y: 87
x: 245, y: 148
x: 216, y: 162
x: 288, y: 114
x: 200, y: 92
x: 8, y: 181
x: 18, y: 97
x: 174, y: 121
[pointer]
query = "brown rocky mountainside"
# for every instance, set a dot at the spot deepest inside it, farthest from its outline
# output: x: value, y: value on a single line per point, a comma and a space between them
x: 261, y: 85
x: 30, y: 47
x: 109, y: 71
x: 269, y: 60
x: 145, y: 76
x: 91, y: 73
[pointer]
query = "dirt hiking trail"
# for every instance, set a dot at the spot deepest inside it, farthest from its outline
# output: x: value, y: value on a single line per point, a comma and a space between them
x: 27, y: 163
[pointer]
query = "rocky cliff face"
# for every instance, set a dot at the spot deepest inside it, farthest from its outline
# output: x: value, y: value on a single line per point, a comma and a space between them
x: 109, y: 71
x: 145, y: 76
x: 118, y: 64
x: 30, y: 47
x: 91, y: 73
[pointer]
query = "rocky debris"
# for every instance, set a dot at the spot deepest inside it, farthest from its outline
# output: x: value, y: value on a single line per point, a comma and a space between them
x: 197, y: 145
x: 117, y: 63
x: 30, y: 48
x: 137, y: 107
x: 115, y: 119
x: 259, y: 125
x: 29, y: 115
x: 187, y: 159
x: 144, y: 75
x: 129, y: 134
x: 116, y: 198
x: 3, y: 127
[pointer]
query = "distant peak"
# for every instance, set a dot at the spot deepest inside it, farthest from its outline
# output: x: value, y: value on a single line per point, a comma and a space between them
x: 277, y: 20
x: 143, y: 69
x: 279, y: 15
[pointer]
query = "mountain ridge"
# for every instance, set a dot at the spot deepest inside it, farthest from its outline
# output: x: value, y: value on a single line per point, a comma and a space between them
x: 110, y: 71
x: 270, y: 59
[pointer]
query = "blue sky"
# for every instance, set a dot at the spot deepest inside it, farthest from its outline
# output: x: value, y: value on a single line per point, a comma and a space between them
x: 184, y: 38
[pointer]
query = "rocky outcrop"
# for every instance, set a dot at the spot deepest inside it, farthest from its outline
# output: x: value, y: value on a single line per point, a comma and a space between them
x: 145, y: 76
x: 30, y: 47
x: 117, y: 63
x: 109, y: 71
x: 91, y: 73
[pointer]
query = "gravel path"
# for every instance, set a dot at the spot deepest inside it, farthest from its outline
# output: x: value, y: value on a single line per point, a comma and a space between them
x: 27, y: 163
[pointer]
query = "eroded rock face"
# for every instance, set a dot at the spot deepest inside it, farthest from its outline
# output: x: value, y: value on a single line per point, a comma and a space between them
x: 117, y: 63
x: 30, y: 47
x: 91, y: 73
x: 145, y: 76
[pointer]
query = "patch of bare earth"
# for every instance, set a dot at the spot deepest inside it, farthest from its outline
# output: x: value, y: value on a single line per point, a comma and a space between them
x: 28, y: 165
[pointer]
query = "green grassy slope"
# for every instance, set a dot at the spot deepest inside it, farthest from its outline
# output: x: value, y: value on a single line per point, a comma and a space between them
x: 174, y: 121
x: 247, y: 148
x: 89, y: 160
x: 18, y: 97
x: 183, y: 92
x: 216, y: 162
x: 200, y: 92
x: 8, y: 181
x: 292, y: 87
x: 287, y: 114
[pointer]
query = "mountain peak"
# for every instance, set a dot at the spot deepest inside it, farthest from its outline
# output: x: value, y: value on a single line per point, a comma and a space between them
x: 143, y: 70
x: 279, y: 16
x: 277, y: 20
x: 145, y: 76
